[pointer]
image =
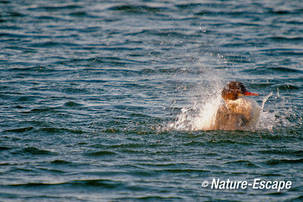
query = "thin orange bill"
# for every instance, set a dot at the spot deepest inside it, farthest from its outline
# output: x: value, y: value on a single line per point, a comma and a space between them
x: 250, y: 94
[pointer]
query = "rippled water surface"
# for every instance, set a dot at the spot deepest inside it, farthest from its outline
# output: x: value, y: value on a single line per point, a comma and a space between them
x: 99, y: 99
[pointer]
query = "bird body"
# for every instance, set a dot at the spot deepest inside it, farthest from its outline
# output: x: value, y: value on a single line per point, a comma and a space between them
x: 240, y: 114
x: 237, y: 112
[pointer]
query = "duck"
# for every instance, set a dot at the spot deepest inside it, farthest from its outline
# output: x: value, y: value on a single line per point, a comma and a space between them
x: 237, y: 111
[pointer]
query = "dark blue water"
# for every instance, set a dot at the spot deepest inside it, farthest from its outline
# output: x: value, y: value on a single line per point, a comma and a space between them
x: 91, y: 94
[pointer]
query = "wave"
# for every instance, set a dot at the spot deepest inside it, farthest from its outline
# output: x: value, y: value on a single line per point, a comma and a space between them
x: 138, y: 9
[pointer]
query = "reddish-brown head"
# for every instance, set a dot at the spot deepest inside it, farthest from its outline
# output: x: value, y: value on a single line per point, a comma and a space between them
x: 234, y: 90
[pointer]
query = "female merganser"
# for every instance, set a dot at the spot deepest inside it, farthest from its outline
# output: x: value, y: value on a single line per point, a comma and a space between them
x: 237, y: 112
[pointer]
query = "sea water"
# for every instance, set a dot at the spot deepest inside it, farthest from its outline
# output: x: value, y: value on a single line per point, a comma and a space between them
x: 107, y: 100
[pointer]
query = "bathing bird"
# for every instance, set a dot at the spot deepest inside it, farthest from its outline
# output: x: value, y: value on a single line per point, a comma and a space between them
x: 237, y: 112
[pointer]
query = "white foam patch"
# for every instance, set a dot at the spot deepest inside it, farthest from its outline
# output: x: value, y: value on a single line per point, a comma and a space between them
x: 201, y: 114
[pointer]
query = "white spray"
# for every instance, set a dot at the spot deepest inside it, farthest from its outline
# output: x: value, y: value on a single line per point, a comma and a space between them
x: 202, y: 113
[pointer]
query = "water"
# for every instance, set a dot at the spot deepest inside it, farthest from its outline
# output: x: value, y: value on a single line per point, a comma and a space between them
x: 91, y: 93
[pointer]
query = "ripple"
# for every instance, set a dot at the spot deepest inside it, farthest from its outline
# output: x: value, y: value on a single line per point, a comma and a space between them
x: 4, y: 148
x: 19, y: 130
x: 272, y: 175
x: 189, y: 5
x: 289, y: 152
x: 242, y: 163
x: 4, y: 2
x: 53, y: 130
x: 285, y: 69
x: 284, y: 161
x: 107, y: 184
x: 200, y: 171
x: 51, y: 44
x: 100, y: 153
x: 14, y: 14
x: 35, y: 151
x: 47, y: 18
x: 284, y: 12
x: 286, y: 39
x: 287, y: 87
x: 74, y: 90
x: 282, y: 52
x: 131, y: 9
x: 79, y: 14
x: 61, y: 162
x: 104, y: 183
x: 112, y: 61
x: 72, y: 104
x: 55, y: 7
x: 42, y: 110
x: 27, y: 99
x: 163, y: 33
x: 13, y: 36
x: 261, y: 70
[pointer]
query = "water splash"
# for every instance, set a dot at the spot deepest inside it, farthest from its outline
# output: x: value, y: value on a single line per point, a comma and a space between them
x: 265, y: 99
x: 267, y: 119
x: 201, y: 114
x: 200, y: 117
x: 280, y: 115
